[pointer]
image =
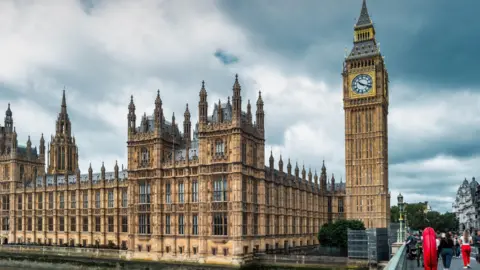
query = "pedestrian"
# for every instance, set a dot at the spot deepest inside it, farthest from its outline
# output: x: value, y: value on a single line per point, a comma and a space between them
x: 466, y: 241
x: 438, y: 245
x: 446, y: 247
x: 456, y: 249
x: 477, y: 242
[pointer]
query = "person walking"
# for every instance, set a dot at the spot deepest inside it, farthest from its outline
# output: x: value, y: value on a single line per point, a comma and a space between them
x: 477, y: 242
x: 456, y: 249
x: 446, y: 249
x: 466, y: 241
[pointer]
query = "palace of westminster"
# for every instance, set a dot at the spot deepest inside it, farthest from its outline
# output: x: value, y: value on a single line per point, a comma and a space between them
x: 203, y: 194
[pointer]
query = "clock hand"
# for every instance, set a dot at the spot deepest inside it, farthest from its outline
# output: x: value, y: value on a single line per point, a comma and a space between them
x: 362, y: 84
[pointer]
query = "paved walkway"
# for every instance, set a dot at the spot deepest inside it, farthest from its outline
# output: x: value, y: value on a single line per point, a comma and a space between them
x: 457, y: 264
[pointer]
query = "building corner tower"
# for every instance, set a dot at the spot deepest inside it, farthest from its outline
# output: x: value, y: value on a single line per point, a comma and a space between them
x: 365, y: 97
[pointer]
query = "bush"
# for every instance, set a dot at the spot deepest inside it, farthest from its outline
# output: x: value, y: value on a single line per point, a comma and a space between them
x: 335, y: 234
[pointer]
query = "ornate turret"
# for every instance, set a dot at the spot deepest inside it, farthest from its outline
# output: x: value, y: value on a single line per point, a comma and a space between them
x: 158, y: 113
x: 90, y: 172
x: 332, y: 182
x: 315, y: 178
x: 280, y: 164
x: 304, y: 173
x: 323, y: 177
x: 132, y: 118
x: 102, y: 171
x: 115, y: 170
x: 42, y: 148
x: 237, y: 100
x: 63, y: 151
x: 187, y: 125
x: 310, y: 175
x: 203, y: 105
x: 289, y: 167
x: 29, y: 147
x: 271, y: 161
x: 260, y: 119
x: 297, y: 170
x: 249, y: 113
x: 8, y: 120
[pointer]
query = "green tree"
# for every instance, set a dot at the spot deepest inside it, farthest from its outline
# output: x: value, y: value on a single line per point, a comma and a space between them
x: 418, y: 219
x: 394, y: 214
x: 335, y: 234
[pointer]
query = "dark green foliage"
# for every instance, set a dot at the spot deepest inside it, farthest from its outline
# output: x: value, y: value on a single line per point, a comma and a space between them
x: 418, y: 220
x: 335, y: 234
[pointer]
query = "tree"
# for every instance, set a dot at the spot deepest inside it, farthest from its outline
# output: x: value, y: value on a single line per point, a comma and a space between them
x: 394, y: 214
x: 418, y: 219
x: 335, y: 234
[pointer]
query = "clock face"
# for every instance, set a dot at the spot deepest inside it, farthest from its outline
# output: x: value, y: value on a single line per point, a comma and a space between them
x: 362, y: 84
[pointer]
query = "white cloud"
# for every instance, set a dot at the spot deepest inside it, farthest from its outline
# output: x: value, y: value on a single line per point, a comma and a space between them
x: 136, y: 47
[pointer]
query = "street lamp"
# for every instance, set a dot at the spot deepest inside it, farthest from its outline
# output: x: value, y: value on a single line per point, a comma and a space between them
x: 400, y: 235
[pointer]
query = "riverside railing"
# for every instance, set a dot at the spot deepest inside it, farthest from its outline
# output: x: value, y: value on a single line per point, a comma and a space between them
x: 399, y: 260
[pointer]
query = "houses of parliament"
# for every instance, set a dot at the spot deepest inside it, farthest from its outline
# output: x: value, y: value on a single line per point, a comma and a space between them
x: 200, y: 193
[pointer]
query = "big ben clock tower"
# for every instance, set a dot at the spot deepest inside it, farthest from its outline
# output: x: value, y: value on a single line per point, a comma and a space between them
x: 365, y: 98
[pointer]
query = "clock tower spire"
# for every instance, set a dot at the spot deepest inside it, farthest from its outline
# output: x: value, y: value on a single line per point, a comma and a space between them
x: 365, y: 97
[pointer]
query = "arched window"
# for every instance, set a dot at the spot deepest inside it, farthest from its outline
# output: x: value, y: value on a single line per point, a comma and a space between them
x: 219, y: 147
x: 144, y: 157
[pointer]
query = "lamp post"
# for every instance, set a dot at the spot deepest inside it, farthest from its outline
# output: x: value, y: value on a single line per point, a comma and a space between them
x: 400, y: 235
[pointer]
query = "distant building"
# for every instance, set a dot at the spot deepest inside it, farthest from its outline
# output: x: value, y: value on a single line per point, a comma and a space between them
x: 466, y: 205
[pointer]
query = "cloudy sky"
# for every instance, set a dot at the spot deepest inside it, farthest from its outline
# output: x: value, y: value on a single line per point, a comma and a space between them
x: 104, y: 51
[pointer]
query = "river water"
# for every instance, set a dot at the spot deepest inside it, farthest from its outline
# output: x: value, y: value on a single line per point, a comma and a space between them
x: 6, y: 264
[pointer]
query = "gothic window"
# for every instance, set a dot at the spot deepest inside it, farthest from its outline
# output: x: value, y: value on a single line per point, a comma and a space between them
x: 85, y: 199
x: 244, y: 189
x: 168, y: 193
x: 97, y: 199
x: 181, y: 193
x: 29, y: 202
x: 181, y: 224
x: 73, y: 200
x: 220, y: 190
x: 244, y: 223
x: 22, y: 172
x: 85, y: 224
x: 255, y: 223
x: 220, y: 223
x: 124, y: 224
x: 110, y: 199
x: 124, y: 198
x: 144, y: 157
x: 62, y: 201
x: 195, y: 191
x: 62, y: 158
x: 195, y: 224
x: 340, y: 205
x: 110, y: 224
x: 244, y: 153
x: 39, y: 201
x: 19, y: 202
x: 35, y: 173
x: 144, y: 223
x: 144, y: 192
x: 167, y: 224
x: 219, y: 147
x: 50, y: 200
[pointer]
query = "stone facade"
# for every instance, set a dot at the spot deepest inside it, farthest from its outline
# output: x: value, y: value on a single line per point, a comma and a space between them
x: 466, y: 207
x: 365, y: 96
x: 200, y: 195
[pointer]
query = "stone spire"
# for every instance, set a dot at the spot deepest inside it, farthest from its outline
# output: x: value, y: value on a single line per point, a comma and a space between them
x: 364, y: 18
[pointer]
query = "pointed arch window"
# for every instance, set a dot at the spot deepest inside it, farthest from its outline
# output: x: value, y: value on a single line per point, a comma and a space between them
x: 144, y: 157
x: 219, y: 147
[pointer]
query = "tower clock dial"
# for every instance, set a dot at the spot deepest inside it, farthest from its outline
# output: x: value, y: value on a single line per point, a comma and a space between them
x: 362, y: 84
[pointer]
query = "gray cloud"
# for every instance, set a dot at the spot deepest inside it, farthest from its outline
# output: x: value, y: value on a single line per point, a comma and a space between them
x: 291, y: 51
